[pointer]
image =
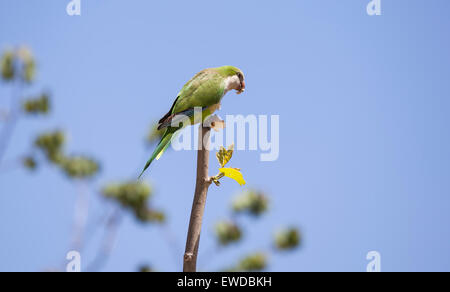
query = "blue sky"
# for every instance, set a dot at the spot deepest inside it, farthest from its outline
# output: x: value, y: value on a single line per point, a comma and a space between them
x: 364, y: 113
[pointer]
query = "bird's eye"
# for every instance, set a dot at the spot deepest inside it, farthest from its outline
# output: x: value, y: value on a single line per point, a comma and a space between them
x: 240, y: 76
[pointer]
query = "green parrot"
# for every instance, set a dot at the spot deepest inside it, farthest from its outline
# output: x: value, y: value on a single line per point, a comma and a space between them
x: 205, y: 90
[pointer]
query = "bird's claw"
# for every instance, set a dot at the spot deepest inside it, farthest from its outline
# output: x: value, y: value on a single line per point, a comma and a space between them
x: 215, y: 123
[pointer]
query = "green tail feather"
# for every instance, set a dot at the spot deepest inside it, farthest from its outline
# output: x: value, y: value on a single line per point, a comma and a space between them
x: 162, y: 146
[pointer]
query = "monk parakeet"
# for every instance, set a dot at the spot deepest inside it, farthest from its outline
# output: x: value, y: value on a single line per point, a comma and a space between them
x: 204, y: 90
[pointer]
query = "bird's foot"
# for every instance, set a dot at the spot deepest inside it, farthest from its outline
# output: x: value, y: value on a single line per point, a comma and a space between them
x: 215, y: 123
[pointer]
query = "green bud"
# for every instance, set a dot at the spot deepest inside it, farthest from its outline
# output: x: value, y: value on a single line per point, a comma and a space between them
x: 251, y: 201
x: 51, y: 143
x: 146, y: 215
x: 79, y: 167
x: 227, y: 232
x: 146, y: 269
x: 287, y: 239
x: 253, y: 263
x: 40, y: 105
x: 29, y: 163
x: 134, y: 196
x: 7, y: 65
x: 129, y: 194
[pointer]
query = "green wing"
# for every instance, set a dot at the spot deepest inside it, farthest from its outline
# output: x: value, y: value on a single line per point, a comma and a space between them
x: 206, y: 88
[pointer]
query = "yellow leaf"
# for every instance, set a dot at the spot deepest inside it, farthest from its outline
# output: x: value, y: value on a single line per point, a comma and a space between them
x: 224, y: 155
x: 233, y: 173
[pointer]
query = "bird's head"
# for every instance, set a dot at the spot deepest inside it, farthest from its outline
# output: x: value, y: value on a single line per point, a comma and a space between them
x: 234, y: 78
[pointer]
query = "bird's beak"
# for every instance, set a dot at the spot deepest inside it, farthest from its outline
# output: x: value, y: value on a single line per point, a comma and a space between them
x: 242, y: 89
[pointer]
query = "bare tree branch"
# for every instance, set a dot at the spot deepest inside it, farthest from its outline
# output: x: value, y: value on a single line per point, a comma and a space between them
x: 4, y: 115
x: 11, y: 121
x: 198, y: 206
x: 81, y: 214
x: 108, y: 242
